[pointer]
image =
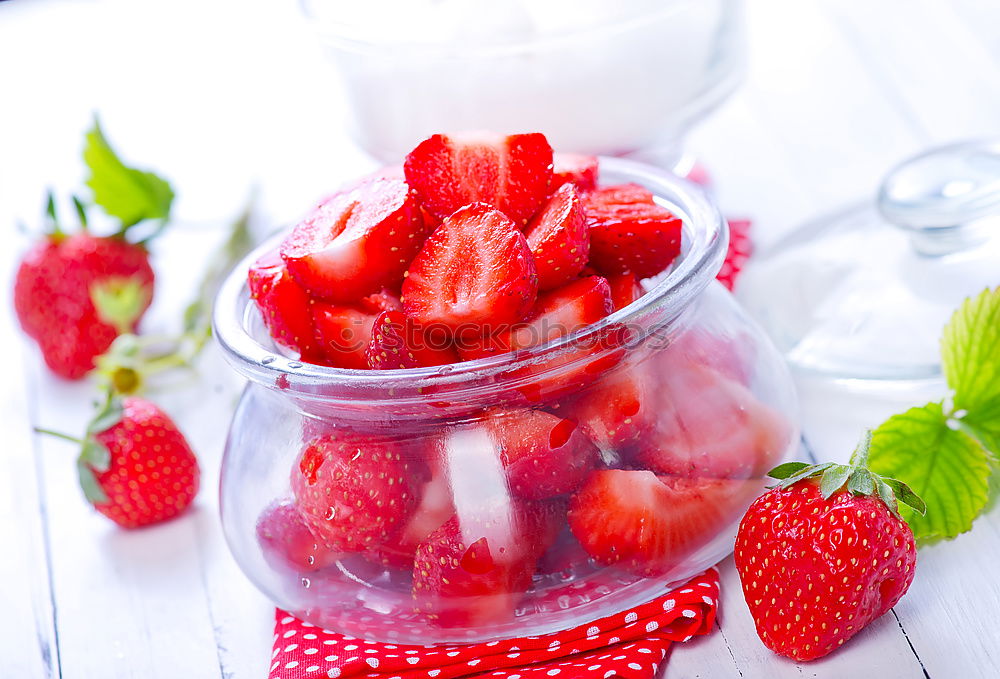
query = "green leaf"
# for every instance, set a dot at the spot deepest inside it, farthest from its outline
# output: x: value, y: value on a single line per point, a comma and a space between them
x: 783, y: 471
x: 120, y: 301
x: 944, y: 466
x: 124, y: 192
x: 833, y: 479
x: 984, y: 424
x: 95, y: 455
x: 88, y: 482
x: 970, y: 355
x: 904, y: 494
x: 862, y: 482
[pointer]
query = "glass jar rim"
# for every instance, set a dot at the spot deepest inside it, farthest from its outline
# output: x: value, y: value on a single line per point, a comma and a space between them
x: 345, y: 35
x: 705, y: 240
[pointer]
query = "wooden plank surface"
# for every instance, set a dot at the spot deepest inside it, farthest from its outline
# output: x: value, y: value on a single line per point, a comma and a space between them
x: 837, y: 91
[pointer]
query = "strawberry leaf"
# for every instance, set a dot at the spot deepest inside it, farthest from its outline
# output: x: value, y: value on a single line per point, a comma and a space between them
x: 120, y: 301
x: 783, y: 471
x: 833, y: 479
x: 88, y: 482
x: 970, y: 358
x: 124, y: 192
x: 944, y: 466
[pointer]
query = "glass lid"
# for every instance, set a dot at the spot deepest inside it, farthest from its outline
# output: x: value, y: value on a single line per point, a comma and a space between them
x: 865, y: 293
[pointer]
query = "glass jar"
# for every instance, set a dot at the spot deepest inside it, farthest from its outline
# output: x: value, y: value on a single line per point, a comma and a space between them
x: 623, y: 77
x: 679, y: 382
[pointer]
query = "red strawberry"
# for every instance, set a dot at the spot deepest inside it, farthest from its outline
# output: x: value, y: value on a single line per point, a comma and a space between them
x: 557, y: 237
x: 649, y: 524
x: 287, y: 542
x: 356, y: 242
x: 397, y: 342
x: 625, y: 289
x: 435, y: 507
x: 475, y: 568
x: 617, y: 411
x: 709, y: 426
x: 384, y: 300
x: 543, y: 455
x: 475, y: 274
x: 355, y: 491
x: 557, y: 313
x: 510, y: 173
x: 283, y: 303
x: 343, y: 333
x: 75, y: 294
x: 819, y: 560
x: 136, y: 467
x: 574, y: 168
x: 630, y: 232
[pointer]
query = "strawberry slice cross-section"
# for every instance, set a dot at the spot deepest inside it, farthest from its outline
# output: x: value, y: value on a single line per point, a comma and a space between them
x: 510, y: 173
x: 356, y: 242
x: 474, y: 276
x: 629, y: 231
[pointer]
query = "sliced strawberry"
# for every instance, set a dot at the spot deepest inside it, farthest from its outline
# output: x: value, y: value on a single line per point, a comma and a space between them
x: 435, y: 507
x: 283, y: 303
x: 397, y: 342
x: 649, y: 524
x: 557, y: 236
x: 574, y: 168
x: 617, y: 411
x: 511, y: 174
x: 474, y: 275
x: 475, y: 568
x: 625, y: 289
x: 629, y: 231
x: 557, y: 313
x: 357, y: 242
x: 709, y: 426
x: 286, y: 540
x: 543, y: 455
x: 343, y: 333
x: 383, y: 300
x: 355, y: 491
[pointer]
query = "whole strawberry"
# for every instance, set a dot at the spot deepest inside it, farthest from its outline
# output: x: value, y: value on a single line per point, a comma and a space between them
x: 136, y: 467
x: 824, y: 553
x: 74, y: 294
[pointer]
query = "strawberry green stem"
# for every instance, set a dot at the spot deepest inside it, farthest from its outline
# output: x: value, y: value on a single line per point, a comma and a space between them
x: 58, y: 435
x: 859, y: 458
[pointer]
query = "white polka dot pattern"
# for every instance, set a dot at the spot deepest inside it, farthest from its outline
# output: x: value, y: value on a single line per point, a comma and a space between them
x: 627, y: 645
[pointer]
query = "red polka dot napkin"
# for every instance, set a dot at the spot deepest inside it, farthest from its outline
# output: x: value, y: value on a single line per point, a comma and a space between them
x: 628, y: 645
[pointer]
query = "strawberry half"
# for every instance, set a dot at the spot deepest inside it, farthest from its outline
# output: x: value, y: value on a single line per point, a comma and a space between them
x: 649, y: 524
x: 557, y: 237
x: 543, y: 455
x: 397, y: 342
x: 474, y: 275
x: 511, y: 174
x: 356, y: 242
x: 287, y: 542
x: 355, y: 491
x: 557, y: 313
x: 617, y: 411
x: 625, y: 289
x: 343, y: 333
x: 630, y: 232
x: 435, y: 507
x: 576, y: 169
x: 475, y: 568
x: 712, y: 427
x: 284, y: 305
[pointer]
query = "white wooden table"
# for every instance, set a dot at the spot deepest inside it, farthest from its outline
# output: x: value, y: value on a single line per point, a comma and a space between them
x: 218, y: 94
